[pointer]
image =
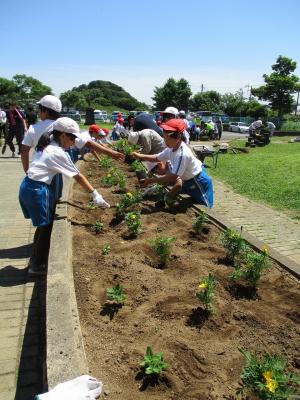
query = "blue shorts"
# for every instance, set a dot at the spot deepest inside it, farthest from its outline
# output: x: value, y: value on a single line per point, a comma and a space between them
x: 200, y: 188
x: 37, y: 202
x: 57, y: 187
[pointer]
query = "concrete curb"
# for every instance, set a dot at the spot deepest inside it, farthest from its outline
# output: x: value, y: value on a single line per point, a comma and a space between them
x: 65, y: 350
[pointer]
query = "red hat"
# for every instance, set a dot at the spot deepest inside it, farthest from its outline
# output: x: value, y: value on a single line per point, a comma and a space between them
x: 120, y: 120
x: 94, y: 128
x: 120, y: 115
x: 105, y: 130
x: 173, y: 125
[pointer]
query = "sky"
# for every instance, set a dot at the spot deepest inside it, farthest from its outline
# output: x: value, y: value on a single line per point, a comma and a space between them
x: 222, y: 45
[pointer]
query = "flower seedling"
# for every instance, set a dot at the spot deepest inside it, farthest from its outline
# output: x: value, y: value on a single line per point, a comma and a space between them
x: 111, y: 178
x: 116, y: 294
x: 106, y: 249
x: 122, y: 182
x: 233, y: 243
x: 153, y: 364
x: 267, y: 379
x: 133, y: 222
x: 162, y: 247
x: 124, y: 147
x: 97, y: 227
x: 127, y: 200
x: 105, y: 162
x: 252, y: 267
x: 199, y: 221
x: 206, y: 294
x: 137, y: 166
x: 91, y: 205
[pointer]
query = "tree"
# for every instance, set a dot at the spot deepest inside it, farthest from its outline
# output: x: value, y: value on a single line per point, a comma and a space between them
x: 255, y: 109
x: 280, y: 85
x: 7, y: 91
x: 173, y: 93
x: 72, y: 99
x: 233, y: 104
x: 210, y: 101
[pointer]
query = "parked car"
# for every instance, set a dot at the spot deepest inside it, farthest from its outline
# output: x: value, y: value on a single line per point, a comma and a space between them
x: 238, y: 127
x: 99, y: 116
x: 74, y: 115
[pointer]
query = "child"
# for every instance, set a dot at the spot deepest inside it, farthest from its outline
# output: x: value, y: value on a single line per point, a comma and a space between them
x: 37, y: 197
x: 187, y: 173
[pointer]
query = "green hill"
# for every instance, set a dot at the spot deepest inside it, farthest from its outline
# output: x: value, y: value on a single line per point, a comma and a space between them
x: 103, y: 95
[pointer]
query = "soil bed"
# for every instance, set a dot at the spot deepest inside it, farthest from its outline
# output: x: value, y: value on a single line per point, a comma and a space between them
x: 162, y: 310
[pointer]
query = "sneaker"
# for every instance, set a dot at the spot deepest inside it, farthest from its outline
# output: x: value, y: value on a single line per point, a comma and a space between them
x: 37, y: 270
x: 3, y: 149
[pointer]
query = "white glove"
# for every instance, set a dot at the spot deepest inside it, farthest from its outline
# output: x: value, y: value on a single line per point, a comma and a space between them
x: 98, y: 200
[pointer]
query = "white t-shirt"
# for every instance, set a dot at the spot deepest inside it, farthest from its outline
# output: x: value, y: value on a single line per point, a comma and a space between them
x: 49, y: 162
x: 81, y: 141
x: 2, y: 117
x: 35, y: 131
x: 255, y: 124
x: 183, y: 161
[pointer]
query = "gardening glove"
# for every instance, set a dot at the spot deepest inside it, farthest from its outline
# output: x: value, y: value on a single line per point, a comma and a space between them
x: 98, y: 200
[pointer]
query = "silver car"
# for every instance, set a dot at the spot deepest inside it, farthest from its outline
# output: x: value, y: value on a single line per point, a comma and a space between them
x: 238, y: 127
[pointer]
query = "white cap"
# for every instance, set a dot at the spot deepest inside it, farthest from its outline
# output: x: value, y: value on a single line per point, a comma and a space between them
x: 67, y: 125
x: 133, y: 137
x: 182, y: 113
x: 259, y: 121
x: 171, y: 110
x: 51, y: 102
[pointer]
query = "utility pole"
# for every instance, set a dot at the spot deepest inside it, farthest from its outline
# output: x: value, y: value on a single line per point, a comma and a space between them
x: 201, y: 87
x: 250, y: 95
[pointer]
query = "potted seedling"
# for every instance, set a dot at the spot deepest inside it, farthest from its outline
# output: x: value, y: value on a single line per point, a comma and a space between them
x: 133, y: 222
x: 97, y: 227
x: 162, y: 247
x: 266, y: 378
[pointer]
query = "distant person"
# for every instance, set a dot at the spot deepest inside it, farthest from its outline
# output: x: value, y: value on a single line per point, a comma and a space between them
x: 2, y: 123
x: 197, y: 132
x: 271, y: 128
x: 186, y: 133
x: 16, y: 126
x: 219, y: 128
x: 144, y: 121
x: 119, y: 130
x: 128, y: 122
x: 31, y: 116
x: 255, y: 126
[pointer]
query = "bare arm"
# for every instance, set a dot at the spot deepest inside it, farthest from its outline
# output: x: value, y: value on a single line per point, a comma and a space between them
x: 81, y: 179
x: 99, y: 148
x: 145, y: 157
x: 25, y: 157
x: 170, y: 179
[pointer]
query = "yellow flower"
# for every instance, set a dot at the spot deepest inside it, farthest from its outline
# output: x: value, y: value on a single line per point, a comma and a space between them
x: 133, y: 216
x: 129, y: 195
x: 108, y: 175
x: 265, y: 249
x: 271, y: 384
x: 203, y: 285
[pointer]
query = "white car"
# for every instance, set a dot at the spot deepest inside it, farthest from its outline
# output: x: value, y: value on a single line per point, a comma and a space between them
x: 238, y: 127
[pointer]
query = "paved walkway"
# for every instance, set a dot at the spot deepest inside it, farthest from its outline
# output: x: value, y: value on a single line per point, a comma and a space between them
x: 21, y: 300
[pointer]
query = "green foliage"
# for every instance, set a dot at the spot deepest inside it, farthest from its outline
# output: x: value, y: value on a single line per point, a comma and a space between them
x: 206, y: 295
x: 153, y: 364
x: 97, y: 227
x: 199, y: 221
x: 116, y: 294
x: 251, y: 268
x: 24, y: 90
x: 106, y: 249
x: 91, y: 205
x: 279, y: 86
x: 105, y: 162
x: 127, y: 200
x: 173, y: 93
x: 210, y: 100
x: 162, y: 247
x: 133, y: 222
x: 115, y: 177
x: 100, y: 94
x: 137, y: 166
x: 267, y: 378
x: 124, y: 147
x: 233, y: 243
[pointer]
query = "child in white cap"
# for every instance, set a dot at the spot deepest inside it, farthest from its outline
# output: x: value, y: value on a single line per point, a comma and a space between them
x: 36, y: 195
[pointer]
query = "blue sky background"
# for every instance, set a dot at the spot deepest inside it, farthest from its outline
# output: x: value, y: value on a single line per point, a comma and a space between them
x: 225, y: 45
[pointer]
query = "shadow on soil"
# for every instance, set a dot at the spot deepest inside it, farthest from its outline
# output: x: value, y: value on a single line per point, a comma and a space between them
x: 198, y: 317
x: 110, y: 309
x: 151, y: 380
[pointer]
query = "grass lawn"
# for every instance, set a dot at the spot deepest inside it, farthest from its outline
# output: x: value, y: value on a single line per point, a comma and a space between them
x: 100, y: 123
x: 269, y: 174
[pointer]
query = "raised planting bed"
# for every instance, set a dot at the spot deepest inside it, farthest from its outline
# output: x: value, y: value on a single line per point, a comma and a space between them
x: 161, y: 309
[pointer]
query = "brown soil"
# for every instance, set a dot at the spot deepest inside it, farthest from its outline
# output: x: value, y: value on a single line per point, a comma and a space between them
x: 161, y: 309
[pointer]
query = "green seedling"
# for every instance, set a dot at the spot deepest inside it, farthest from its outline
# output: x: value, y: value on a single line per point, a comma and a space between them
x: 199, y: 221
x: 233, y: 243
x: 127, y: 200
x: 106, y: 249
x: 153, y: 364
x: 162, y: 247
x: 207, y: 286
x: 124, y: 147
x: 133, y: 222
x: 111, y: 178
x: 122, y: 181
x: 137, y: 166
x: 91, y: 205
x: 251, y: 268
x: 116, y: 294
x: 267, y: 378
x: 90, y: 174
x: 97, y: 227
x: 105, y: 162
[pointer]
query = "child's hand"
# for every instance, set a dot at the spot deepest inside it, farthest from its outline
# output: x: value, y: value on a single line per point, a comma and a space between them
x: 118, y: 156
x: 135, y: 155
x: 145, y: 182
